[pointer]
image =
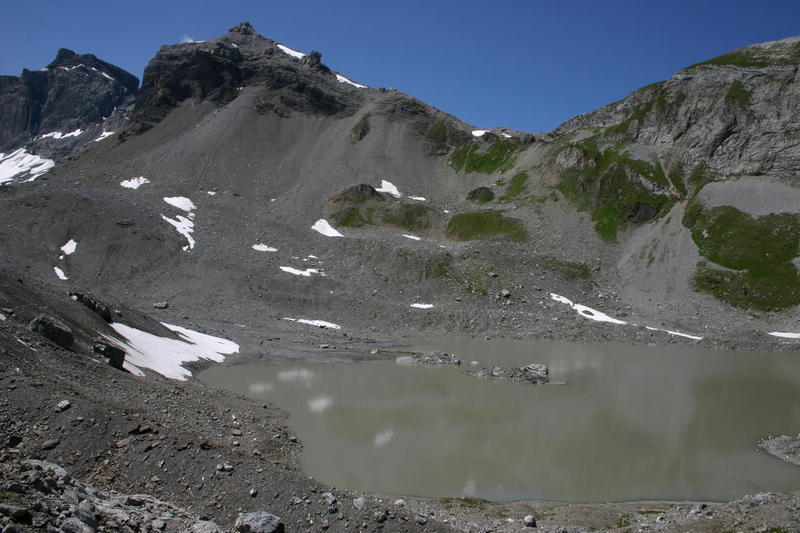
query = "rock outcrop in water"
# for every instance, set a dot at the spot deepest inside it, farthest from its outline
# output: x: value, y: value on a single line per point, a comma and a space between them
x: 429, y: 359
x: 533, y: 373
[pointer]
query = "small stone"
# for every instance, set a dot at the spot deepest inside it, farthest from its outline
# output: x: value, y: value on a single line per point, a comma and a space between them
x: 225, y: 467
x: 253, y: 493
x: 529, y: 521
x: 63, y: 405
x: 158, y: 524
x: 400, y: 503
x: 380, y: 516
x: 328, y: 498
x: 204, y: 526
x: 359, y: 502
x: 161, y: 305
x: 236, y: 432
x: 50, y: 444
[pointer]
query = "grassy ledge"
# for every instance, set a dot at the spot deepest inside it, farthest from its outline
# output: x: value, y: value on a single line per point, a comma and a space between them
x: 485, y: 225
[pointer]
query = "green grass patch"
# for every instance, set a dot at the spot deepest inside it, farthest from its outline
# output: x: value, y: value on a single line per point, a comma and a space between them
x: 362, y: 205
x: 442, y: 135
x: 611, y: 191
x: 758, y: 250
x: 412, y: 217
x: 516, y: 186
x: 349, y: 217
x: 481, y: 195
x: 473, y: 157
x: 485, y: 225
x: 737, y: 58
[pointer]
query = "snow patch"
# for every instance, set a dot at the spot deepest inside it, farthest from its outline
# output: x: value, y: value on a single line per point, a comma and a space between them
x: 167, y: 356
x: 307, y: 272
x: 181, y: 203
x: 60, y: 274
x: 588, y: 312
x: 479, y: 133
x: 318, y: 323
x: 211, y: 193
x: 342, y: 79
x: 185, y: 227
x: 294, y: 53
x: 412, y: 237
x: 418, y: 198
x: 2, y: 317
x: 69, y: 247
x: 422, y: 306
x: 676, y: 333
x: 104, y: 135
x: 263, y: 248
x: 785, y: 335
x: 389, y: 188
x: 134, y: 183
x: 322, y: 226
x: 20, y: 163
x: 58, y: 135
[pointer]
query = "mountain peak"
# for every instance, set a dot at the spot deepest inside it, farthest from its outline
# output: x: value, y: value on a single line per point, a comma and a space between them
x: 245, y: 28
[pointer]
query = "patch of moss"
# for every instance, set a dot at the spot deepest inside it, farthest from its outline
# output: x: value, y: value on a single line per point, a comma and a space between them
x: 442, y: 135
x: 360, y: 130
x: 738, y: 96
x: 516, y: 186
x: 349, y: 217
x: 481, y: 195
x: 472, y: 157
x: 570, y: 270
x: 666, y: 104
x: 759, y: 251
x: 485, y: 225
x: 412, y: 217
x: 610, y: 189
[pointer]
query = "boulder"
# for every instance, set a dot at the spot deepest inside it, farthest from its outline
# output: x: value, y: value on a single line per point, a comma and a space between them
x: 429, y: 359
x: 258, y: 522
x: 53, y: 329
x: 115, y: 355
x: 533, y: 373
x: 92, y: 303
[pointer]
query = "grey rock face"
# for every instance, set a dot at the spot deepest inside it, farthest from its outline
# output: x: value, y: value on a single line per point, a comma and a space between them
x: 92, y: 303
x: 53, y: 329
x: 73, y: 92
x: 258, y: 522
x: 737, y: 113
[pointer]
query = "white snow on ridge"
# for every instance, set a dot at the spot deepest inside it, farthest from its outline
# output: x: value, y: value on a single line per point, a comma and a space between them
x: 20, y: 162
x: 263, y: 248
x: 318, y: 323
x: 134, y: 183
x: 418, y: 198
x: 785, y: 335
x: 479, y: 133
x: 342, y: 79
x: 412, y: 237
x: 389, y: 188
x: 167, y: 356
x: 60, y: 274
x: 69, y: 247
x: 422, y: 306
x: 181, y: 203
x: 185, y: 227
x: 294, y: 53
x: 322, y: 226
x: 104, y: 135
x: 306, y: 273
x: 58, y: 135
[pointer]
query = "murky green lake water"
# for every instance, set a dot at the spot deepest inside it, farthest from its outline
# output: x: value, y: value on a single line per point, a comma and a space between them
x: 630, y: 423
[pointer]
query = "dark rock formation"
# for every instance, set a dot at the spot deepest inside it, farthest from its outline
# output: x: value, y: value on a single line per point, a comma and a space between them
x: 429, y: 359
x: 53, y: 329
x: 92, y: 303
x: 75, y: 91
x: 114, y: 355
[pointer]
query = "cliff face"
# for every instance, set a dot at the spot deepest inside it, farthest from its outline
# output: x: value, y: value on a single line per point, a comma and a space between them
x: 737, y: 114
x: 74, y: 92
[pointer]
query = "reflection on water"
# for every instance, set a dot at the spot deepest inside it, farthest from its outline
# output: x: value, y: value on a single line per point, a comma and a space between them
x: 631, y: 423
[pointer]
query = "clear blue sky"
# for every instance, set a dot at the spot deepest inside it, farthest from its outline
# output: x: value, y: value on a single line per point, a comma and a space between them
x: 525, y: 64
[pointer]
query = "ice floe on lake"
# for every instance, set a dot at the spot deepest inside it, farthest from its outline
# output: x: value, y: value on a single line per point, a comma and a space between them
x: 60, y: 274
x: 322, y: 226
x: 382, y: 438
x: 263, y: 248
x: 134, y: 183
x: 166, y: 356
x: 21, y: 163
x: 317, y: 323
x: 319, y: 404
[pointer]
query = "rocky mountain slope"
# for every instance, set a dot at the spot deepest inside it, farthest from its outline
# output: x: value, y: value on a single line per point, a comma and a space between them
x: 250, y: 192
